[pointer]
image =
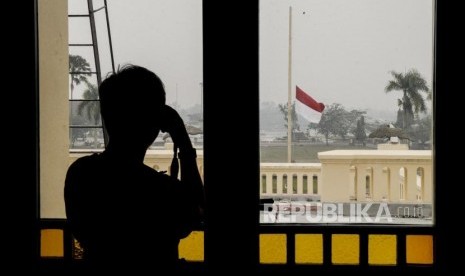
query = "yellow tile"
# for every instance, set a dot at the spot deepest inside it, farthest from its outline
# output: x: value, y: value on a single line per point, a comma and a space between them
x: 345, y: 249
x: 382, y: 249
x: 191, y: 248
x: 419, y: 249
x: 309, y: 248
x: 51, y: 243
x: 273, y: 249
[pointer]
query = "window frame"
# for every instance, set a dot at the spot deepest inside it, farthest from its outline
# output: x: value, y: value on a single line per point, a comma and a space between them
x: 225, y: 237
x: 214, y: 242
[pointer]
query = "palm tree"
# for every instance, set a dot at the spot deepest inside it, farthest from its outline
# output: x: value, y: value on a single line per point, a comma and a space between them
x: 430, y: 96
x: 91, y: 107
x: 412, y: 102
x: 78, y: 64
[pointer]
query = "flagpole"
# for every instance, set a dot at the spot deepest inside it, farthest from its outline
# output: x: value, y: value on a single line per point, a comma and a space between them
x: 289, y: 96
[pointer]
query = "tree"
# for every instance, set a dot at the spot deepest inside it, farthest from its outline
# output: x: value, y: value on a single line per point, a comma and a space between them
x: 295, y: 121
x: 312, y: 126
x: 336, y: 120
x: 422, y: 131
x: 76, y: 120
x: 331, y: 120
x: 400, y: 118
x: 429, y: 97
x: 77, y: 65
x: 412, y: 102
x: 91, y: 107
x: 360, y: 134
x: 349, y: 119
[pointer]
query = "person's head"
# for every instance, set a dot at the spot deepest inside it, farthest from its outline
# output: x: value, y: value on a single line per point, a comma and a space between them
x: 131, y: 101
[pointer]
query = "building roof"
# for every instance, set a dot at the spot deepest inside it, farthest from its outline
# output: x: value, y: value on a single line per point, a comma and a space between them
x: 370, y: 154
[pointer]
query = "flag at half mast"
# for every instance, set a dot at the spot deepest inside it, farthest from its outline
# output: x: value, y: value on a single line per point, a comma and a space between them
x: 307, y: 106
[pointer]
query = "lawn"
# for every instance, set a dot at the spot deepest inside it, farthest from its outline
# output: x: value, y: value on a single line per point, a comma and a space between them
x: 303, y: 153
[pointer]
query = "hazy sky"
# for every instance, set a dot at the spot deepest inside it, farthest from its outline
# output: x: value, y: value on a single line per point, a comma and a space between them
x: 163, y: 35
x: 343, y: 50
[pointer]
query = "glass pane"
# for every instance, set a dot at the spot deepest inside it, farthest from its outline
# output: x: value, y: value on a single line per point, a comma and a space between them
x: 167, y: 41
x: 84, y: 113
x: 86, y: 138
x: 346, y: 99
x: 82, y: 83
x: 78, y: 7
x: 86, y: 53
x: 79, y: 30
x: 98, y: 4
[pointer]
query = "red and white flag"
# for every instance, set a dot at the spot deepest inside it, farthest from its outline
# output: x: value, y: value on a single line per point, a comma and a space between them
x: 308, y: 107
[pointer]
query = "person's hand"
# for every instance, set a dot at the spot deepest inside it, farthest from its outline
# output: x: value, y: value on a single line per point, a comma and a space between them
x: 172, y: 123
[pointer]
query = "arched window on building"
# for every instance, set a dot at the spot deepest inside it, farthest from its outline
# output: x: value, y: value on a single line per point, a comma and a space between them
x: 369, y: 183
x: 315, y: 184
x: 294, y: 183
x: 402, y: 183
x: 274, y: 183
x: 387, y: 174
x: 368, y: 186
x: 284, y: 183
x: 353, y: 183
x: 263, y: 183
x: 420, y: 183
x: 305, y: 184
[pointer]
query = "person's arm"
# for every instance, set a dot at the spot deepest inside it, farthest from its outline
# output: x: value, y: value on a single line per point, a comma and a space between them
x: 190, y: 175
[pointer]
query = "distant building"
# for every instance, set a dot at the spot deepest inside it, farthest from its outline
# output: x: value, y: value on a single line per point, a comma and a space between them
x: 390, y: 174
x: 398, y: 176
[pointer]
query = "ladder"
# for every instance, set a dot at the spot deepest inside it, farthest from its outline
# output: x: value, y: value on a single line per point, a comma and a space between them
x: 91, y: 12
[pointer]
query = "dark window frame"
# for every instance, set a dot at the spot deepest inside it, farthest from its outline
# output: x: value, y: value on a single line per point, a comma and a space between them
x: 235, y: 47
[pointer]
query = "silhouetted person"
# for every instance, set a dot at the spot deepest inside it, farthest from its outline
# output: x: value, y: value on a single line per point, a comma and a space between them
x: 125, y: 214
